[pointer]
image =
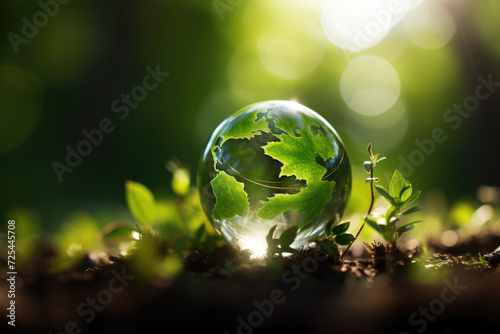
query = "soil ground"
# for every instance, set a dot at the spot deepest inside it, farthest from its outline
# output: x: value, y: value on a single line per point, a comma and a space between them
x: 225, y: 292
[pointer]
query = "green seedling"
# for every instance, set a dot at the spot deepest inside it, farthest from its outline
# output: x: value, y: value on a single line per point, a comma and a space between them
x: 335, y: 236
x: 368, y: 166
x: 141, y: 202
x: 399, y: 196
x: 198, y: 237
x: 282, y: 244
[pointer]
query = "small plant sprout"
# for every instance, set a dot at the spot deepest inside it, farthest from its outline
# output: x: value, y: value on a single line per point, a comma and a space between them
x: 481, y: 259
x: 282, y: 244
x: 340, y: 235
x: 368, y: 166
x: 147, y: 212
x: 399, y: 196
x: 335, y: 235
x: 141, y: 202
x: 143, y: 207
x: 197, y: 239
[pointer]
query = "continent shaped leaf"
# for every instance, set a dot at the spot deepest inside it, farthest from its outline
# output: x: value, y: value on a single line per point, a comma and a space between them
x: 230, y: 197
x: 247, y: 127
x: 298, y: 154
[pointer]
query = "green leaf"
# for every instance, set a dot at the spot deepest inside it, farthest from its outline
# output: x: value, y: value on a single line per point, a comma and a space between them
x: 270, y: 235
x: 411, y: 199
x: 288, y: 249
x: 119, y: 233
x: 288, y: 237
x: 141, y: 202
x: 230, y: 197
x: 298, y: 156
x: 199, y: 234
x: 402, y: 230
x: 368, y: 165
x: 412, y: 210
x: 384, y: 193
x: 405, y: 194
x: 328, y: 247
x: 391, y: 212
x: 344, y: 239
x: 482, y: 260
x: 328, y: 228
x: 397, y: 184
x: 407, y: 227
x: 310, y: 200
x: 377, y: 227
x: 341, y: 228
x: 247, y: 126
x: 272, y: 243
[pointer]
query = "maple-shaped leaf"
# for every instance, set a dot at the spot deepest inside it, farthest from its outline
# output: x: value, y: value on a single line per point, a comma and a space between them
x: 297, y: 151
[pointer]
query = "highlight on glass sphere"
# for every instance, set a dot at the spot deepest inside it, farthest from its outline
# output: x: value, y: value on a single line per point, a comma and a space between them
x: 273, y: 163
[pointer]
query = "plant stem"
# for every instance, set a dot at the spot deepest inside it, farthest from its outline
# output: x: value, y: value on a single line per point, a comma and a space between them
x: 366, y: 217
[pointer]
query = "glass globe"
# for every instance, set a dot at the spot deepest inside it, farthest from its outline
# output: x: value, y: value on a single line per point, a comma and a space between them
x: 273, y: 163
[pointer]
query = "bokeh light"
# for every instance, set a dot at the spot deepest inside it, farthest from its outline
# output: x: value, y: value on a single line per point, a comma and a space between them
x: 449, y: 238
x: 430, y: 25
x: 370, y: 85
x: 291, y: 45
x: 362, y: 129
x: 249, y: 79
x: 392, y: 46
x: 488, y: 194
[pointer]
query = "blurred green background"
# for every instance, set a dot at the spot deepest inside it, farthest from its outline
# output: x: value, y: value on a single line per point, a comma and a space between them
x: 221, y: 56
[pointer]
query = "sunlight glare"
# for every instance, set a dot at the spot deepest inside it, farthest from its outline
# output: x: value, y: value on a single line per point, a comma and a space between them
x: 254, y: 238
x: 136, y: 235
x: 357, y: 25
x: 257, y: 246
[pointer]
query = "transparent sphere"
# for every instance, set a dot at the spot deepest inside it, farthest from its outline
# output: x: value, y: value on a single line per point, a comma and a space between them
x: 273, y: 163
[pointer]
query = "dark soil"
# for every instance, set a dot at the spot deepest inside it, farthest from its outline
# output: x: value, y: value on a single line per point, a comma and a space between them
x: 223, y: 291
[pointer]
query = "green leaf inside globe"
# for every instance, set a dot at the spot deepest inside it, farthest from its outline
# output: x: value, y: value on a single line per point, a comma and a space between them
x: 274, y: 163
x: 298, y: 156
x: 231, y: 200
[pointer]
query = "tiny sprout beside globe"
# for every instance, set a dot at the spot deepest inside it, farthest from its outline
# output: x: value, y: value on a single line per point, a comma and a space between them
x: 275, y: 163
